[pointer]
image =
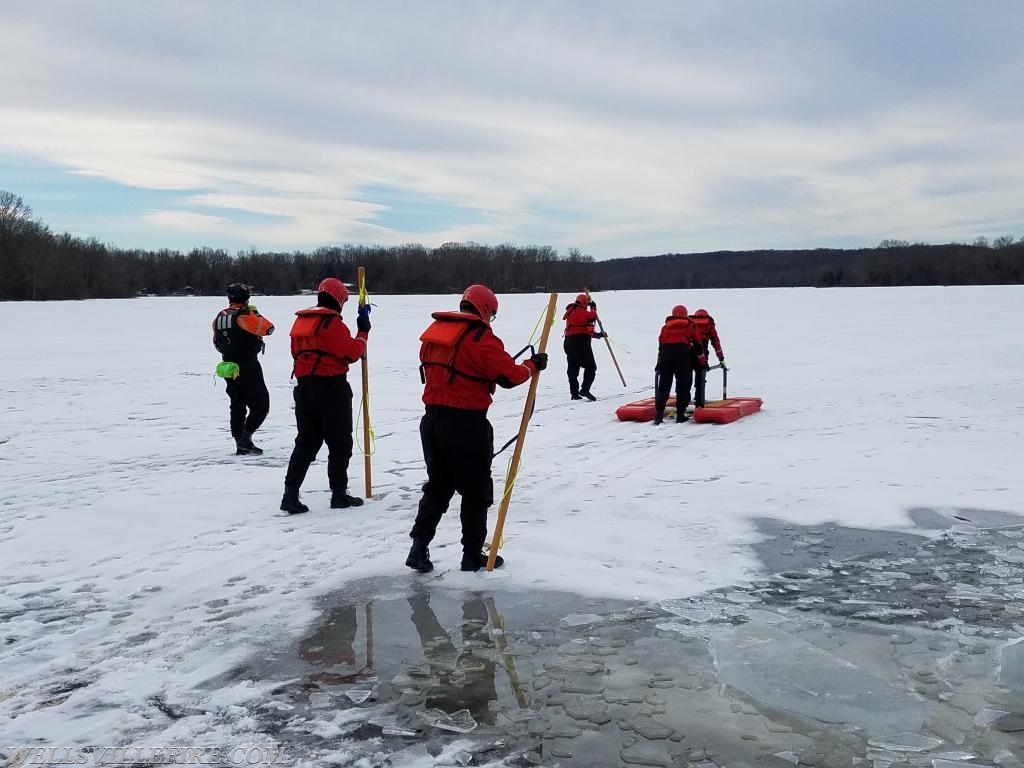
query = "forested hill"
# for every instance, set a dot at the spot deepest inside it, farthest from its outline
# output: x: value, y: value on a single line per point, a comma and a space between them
x: 889, y: 264
x: 38, y: 264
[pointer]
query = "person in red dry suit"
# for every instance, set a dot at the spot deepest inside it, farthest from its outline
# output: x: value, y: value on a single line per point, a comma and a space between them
x: 323, y: 348
x: 461, y: 363
x: 675, y: 363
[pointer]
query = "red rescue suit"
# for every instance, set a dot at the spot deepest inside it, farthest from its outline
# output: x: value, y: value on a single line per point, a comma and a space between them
x: 322, y: 344
x: 461, y: 362
x: 579, y: 320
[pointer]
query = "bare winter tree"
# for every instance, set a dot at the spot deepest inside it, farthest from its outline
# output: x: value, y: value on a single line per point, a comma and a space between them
x: 15, y: 223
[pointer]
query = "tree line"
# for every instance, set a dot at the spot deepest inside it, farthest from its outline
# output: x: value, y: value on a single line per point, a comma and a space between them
x: 38, y: 264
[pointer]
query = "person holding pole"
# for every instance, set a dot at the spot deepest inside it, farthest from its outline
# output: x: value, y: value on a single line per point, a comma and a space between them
x: 461, y: 364
x: 323, y: 348
x: 705, y: 332
x: 580, y: 317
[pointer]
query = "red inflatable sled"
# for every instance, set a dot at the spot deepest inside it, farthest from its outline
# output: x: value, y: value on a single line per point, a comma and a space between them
x: 723, y: 411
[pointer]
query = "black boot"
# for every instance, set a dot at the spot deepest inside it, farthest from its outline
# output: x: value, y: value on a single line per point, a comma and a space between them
x: 245, y: 446
x: 419, y: 557
x: 290, y: 502
x: 658, y: 417
x: 681, y: 417
x: 589, y: 396
x: 344, y: 501
x: 475, y: 561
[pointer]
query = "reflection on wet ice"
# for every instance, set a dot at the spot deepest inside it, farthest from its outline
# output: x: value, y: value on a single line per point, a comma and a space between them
x: 905, y: 659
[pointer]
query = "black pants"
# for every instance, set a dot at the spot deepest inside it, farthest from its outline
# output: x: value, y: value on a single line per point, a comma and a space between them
x: 579, y: 353
x: 323, y: 414
x: 250, y: 400
x: 674, y: 364
x: 700, y: 383
x: 457, y: 448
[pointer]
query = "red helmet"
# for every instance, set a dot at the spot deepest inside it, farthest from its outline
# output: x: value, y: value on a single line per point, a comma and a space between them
x: 334, y: 288
x: 582, y: 299
x: 679, y: 311
x: 701, y: 313
x: 483, y: 300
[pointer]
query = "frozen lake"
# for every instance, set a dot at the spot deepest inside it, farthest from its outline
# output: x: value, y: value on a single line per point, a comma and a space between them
x: 142, y: 560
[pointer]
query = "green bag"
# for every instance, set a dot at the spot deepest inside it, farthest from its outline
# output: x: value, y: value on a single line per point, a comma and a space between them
x: 227, y: 370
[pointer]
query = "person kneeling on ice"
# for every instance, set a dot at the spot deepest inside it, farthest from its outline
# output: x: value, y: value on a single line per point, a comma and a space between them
x: 238, y: 333
x: 461, y: 362
x: 676, y: 347
x: 580, y: 317
x: 705, y: 333
x: 323, y: 348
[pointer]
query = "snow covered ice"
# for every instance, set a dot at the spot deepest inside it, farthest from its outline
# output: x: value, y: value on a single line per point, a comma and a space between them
x: 151, y: 593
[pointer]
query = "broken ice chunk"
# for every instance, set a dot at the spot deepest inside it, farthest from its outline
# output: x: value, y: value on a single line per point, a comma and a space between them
x: 319, y: 700
x: 358, y: 696
x: 460, y: 722
x: 1011, y: 672
x: 581, y: 619
x: 906, y: 742
x: 394, y: 730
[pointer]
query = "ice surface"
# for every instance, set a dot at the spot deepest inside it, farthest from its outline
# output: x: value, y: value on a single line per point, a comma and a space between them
x: 581, y: 619
x: 124, y: 505
x: 788, y: 673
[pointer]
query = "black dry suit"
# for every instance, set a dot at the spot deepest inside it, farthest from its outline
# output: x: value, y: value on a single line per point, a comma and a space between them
x: 250, y: 400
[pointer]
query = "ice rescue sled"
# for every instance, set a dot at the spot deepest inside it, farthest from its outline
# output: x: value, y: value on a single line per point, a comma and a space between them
x: 723, y: 411
x: 643, y: 410
x: 728, y: 410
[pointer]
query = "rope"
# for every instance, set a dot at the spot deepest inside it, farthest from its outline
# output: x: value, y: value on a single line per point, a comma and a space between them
x: 540, y: 319
x: 529, y: 347
x: 361, y: 430
x: 510, y: 481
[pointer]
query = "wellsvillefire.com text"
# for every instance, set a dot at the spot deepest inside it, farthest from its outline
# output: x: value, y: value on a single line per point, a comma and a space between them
x: 133, y: 756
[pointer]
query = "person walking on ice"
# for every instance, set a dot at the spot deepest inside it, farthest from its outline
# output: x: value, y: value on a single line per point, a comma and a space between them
x: 580, y: 317
x: 461, y: 364
x: 238, y: 333
x: 323, y: 348
x: 676, y: 344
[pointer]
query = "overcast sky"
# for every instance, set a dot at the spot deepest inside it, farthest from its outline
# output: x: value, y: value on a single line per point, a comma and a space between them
x: 620, y: 128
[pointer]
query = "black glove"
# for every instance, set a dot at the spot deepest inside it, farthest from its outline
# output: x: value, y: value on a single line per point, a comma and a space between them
x: 599, y: 334
x: 592, y: 304
x: 363, y: 323
x: 540, y: 360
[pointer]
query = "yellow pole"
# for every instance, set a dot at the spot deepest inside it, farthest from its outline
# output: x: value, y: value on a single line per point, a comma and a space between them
x: 367, y: 469
x: 513, y: 468
x: 600, y: 327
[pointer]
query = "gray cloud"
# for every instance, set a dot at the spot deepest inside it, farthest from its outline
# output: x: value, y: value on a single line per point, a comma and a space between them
x: 652, y: 125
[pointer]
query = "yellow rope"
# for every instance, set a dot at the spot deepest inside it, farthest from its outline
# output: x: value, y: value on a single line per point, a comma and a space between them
x: 539, y: 321
x: 510, y: 481
x: 361, y: 430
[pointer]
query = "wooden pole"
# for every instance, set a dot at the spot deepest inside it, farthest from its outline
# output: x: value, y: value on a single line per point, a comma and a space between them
x: 600, y: 327
x: 367, y: 468
x: 513, y: 469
